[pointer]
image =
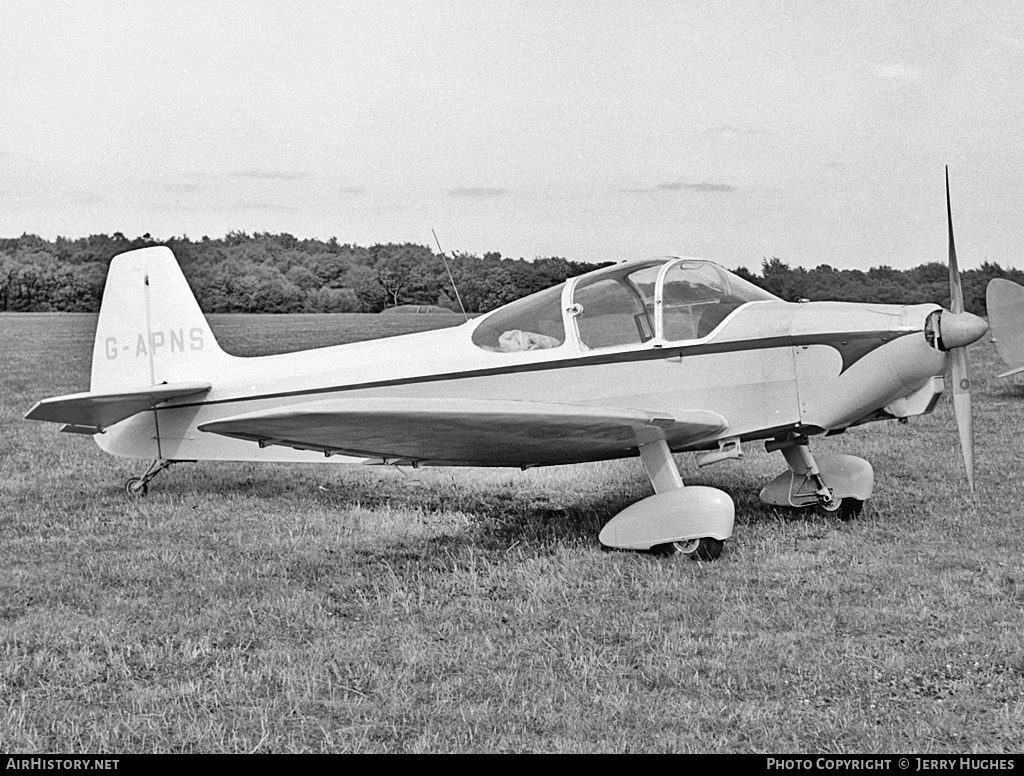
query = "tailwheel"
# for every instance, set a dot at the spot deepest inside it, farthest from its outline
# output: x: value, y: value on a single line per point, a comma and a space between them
x: 136, y: 487
x: 843, y: 508
x: 705, y: 548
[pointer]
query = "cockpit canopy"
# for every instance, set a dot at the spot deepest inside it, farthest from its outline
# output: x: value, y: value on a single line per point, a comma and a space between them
x: 667, y: 300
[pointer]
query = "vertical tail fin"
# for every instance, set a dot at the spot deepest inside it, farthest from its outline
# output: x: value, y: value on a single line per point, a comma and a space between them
x: 1005, y: 302
x: 150, y: 328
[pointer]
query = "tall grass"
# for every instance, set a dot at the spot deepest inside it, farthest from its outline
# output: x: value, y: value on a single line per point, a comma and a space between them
x: 243, y: 608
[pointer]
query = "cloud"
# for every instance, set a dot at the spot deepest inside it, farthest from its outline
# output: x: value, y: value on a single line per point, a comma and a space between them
x: 478, y: 193
x: 251, y: 204
x: 714, y: 188
x: 727, y: 132
x: 182, y: 187
x: 352, y: 190
x: 86, y: 198
x: 276, y: 175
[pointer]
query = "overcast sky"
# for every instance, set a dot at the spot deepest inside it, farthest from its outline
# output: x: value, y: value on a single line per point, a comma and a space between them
x: 815, y: 132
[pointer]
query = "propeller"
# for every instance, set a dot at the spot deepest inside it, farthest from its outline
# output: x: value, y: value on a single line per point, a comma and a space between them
x: 958, y: 331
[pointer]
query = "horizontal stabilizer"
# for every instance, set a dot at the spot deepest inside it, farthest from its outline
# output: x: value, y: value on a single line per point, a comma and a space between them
x: 92, y: 412
x: 1004, y: 300
x: 476, y: 432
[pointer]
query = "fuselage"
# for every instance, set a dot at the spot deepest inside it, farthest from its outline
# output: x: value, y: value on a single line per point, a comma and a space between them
x: 768, y: 366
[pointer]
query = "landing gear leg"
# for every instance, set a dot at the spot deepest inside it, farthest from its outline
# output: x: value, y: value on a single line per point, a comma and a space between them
x: 798, y: 456
x: 137, y: 487
x: 661, y: 468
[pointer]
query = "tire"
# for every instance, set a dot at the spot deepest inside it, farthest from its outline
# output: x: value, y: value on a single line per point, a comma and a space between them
x: 844, y: 509
x: 697, y: 549
x: 136, y: 487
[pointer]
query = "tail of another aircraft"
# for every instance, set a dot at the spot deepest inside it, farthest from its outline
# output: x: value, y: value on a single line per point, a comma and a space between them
x: 1005, y: 302
x: 151, y: 330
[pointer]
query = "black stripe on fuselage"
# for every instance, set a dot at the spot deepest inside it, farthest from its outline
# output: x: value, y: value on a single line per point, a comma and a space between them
x: 852, y: 346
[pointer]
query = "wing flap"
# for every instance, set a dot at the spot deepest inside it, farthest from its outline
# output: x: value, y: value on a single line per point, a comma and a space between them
x: 90, y: 413
x: 474, y: 432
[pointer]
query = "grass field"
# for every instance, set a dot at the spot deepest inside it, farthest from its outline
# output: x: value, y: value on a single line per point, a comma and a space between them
x: 244, y: 608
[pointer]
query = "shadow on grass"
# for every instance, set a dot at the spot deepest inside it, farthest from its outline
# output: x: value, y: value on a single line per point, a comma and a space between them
x: 491, y: 514
x: 434, y: 517
x: 752, y: 512
x: 1008, y: 390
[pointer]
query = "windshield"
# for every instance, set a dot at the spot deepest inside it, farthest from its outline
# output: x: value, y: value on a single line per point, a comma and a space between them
x: 698, y: 295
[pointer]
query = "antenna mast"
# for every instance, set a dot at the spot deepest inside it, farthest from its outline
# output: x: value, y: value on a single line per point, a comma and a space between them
x: 450, y: 277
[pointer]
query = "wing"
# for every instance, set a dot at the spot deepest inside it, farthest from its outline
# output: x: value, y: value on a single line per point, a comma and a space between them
x: 90, y: 413
x: 474, y: 432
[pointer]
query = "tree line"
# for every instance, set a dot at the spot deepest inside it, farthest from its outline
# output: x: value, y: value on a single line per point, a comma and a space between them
x: 279, y: 273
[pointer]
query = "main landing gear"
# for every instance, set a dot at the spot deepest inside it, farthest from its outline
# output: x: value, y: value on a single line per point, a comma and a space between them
x: 693, y: 521
x: 137, y: 487
x: 831, y: 485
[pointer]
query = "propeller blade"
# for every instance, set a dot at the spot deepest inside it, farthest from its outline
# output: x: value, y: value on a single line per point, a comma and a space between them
x: 961, y: 375
x: 956, y: 291
x: 960, y: 368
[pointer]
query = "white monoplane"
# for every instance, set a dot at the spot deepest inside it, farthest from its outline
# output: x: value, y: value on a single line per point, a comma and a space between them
x: 644, y: 358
